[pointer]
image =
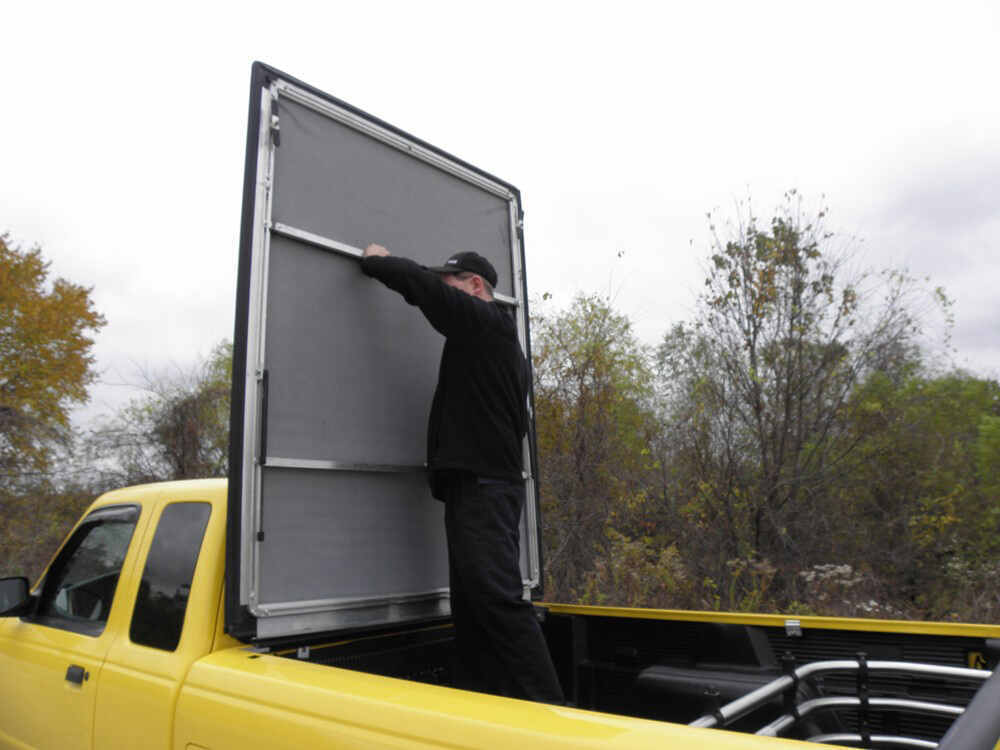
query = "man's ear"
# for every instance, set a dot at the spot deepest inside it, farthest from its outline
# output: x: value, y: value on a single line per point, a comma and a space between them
x: 478, y: 286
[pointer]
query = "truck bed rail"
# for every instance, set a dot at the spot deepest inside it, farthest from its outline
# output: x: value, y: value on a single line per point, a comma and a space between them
x: 787, y: 686
x: 755, y: 699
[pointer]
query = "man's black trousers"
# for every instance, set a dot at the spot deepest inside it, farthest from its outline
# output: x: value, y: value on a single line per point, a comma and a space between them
x: 500, y: 647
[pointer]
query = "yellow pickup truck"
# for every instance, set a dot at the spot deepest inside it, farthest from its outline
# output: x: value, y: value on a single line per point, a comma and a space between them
x: 122, y: 645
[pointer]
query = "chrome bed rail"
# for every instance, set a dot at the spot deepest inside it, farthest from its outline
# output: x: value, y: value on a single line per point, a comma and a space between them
x: 787, y: 686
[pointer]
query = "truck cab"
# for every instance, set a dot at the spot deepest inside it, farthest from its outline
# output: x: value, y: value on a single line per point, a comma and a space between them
x: 127, y: 604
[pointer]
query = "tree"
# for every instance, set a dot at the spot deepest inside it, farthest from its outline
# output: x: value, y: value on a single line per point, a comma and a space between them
x: 922, y: 492
x: 592, y: 416
x: 46, y: 360
x: 758, y: 390
x: 178, y: 430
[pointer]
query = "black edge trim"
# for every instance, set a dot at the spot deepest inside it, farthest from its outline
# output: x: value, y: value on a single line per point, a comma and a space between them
x: 239, y: 622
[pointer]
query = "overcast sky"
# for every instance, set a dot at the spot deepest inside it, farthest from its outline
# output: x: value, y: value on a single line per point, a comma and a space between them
x: 123, y: 131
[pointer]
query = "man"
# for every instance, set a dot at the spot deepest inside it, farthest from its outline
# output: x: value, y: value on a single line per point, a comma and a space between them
x: 477, y: 423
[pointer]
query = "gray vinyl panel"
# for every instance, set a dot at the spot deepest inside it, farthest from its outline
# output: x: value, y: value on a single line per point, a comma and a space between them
x: 337, y: 182
x: 351, y: 366
x: 334, y: 534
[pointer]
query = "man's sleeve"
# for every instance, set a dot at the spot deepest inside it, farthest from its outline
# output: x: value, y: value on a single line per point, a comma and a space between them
x: 451, y: 311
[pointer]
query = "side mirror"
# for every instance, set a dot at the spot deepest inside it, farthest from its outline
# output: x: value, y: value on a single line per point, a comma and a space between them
x: 14, y: 597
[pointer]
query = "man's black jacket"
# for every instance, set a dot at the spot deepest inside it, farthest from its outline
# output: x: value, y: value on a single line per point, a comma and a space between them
x: 479, y: 413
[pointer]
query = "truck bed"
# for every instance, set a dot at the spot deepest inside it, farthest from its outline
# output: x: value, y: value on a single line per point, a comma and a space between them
x: 666, y: 668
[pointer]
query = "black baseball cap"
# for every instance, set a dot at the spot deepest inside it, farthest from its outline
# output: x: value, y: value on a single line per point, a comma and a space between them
x: 471, y: 262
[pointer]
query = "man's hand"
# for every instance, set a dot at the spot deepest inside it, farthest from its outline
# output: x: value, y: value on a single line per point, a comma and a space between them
x: 375, y: 250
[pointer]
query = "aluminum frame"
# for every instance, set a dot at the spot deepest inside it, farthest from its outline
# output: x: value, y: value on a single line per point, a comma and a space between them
x: 250, y: 505
x: 308, y: 463
x: 531, y: 519
x: 342, y: 248
x: 281, y: 618
x: 278, y: 620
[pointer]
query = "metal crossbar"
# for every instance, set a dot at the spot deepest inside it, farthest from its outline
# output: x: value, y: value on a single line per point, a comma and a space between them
x: 757, y: 698
x: 845, y: 701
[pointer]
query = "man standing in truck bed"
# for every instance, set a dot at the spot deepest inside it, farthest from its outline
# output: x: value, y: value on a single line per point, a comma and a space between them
x: 477, y: 423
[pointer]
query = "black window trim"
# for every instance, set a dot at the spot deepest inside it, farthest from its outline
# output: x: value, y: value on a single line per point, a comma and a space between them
x: 124, y: 513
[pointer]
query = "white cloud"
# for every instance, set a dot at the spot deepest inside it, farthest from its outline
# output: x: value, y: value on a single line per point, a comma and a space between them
x: 122, y: 142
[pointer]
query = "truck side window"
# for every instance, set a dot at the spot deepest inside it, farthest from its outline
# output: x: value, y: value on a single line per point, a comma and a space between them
x: 81, y: 583
x: 166, y: 581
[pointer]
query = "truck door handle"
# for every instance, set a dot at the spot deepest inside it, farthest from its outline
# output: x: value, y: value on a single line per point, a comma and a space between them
x: 77, y: 674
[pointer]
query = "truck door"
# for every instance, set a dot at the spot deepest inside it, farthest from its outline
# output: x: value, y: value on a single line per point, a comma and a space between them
x: 57, y: 653
x: 331, y: 524
x: 171, y: 625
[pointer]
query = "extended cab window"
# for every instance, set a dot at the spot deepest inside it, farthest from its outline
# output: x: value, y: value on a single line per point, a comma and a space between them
x: 166, y: 580
x: 80, y: 586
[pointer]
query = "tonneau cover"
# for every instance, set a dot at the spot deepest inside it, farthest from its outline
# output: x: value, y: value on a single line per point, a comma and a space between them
x: 331, y: 525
